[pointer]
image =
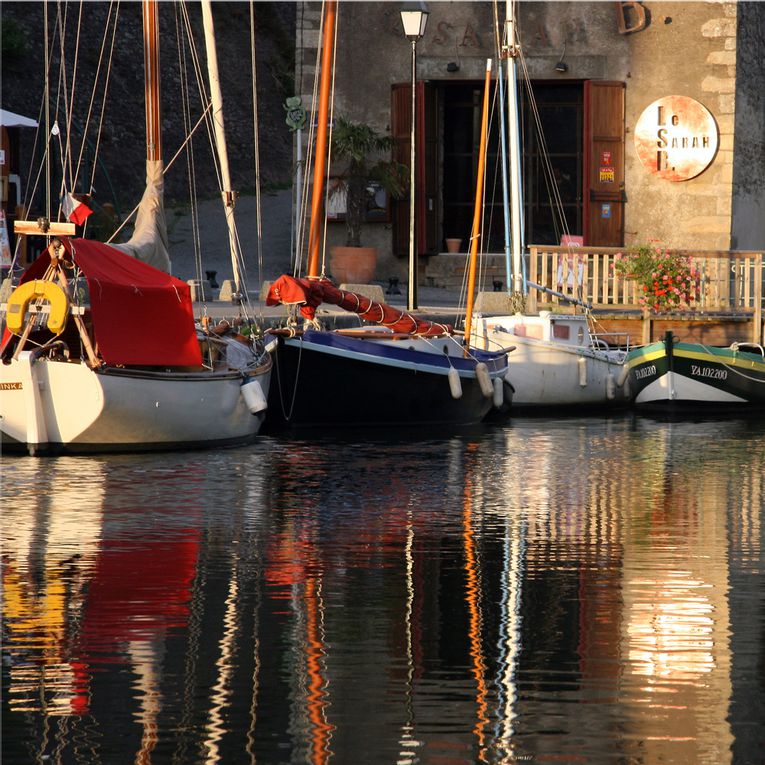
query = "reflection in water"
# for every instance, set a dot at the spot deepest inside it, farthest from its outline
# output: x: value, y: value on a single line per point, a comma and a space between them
x: 577, y: 590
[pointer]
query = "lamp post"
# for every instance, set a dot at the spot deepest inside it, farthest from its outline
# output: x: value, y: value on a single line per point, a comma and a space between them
x: 414, y: 18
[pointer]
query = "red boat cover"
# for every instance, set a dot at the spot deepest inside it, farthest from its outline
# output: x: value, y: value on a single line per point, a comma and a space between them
x: 310, y: 293
x: 141, y: 316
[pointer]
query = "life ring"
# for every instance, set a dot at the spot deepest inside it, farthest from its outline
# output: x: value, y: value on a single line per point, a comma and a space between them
x: 24, y: 294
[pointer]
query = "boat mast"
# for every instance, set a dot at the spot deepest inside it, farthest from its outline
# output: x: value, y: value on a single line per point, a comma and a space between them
x: 320, y: 154
x: 229, y: 196
x: 516, y: 207
x: 475, y: 234
x: 151, y: 80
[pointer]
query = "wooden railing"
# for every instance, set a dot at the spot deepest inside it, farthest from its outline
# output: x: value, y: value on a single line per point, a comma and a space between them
x: 731, y: 282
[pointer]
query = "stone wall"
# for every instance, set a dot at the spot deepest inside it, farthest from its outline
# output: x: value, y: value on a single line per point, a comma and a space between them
x: 686, y: 48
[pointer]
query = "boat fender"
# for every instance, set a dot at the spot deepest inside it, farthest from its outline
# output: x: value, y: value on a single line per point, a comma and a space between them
x: 484, y: 380
x: 24, y: 294
x: 610, y: 387
x: 454, y: 383
x: 499, y: 392
x: 582, y: 372
x: 253, y: 396
x: 623, y: 375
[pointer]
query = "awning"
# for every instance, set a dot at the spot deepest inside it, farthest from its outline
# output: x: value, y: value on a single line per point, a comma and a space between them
x: 10, y: 119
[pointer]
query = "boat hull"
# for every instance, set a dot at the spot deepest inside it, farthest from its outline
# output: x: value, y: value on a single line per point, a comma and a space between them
x: 323, y: 379
x: 53, y: 407
x: 694, y: 376
x: 547, y: 373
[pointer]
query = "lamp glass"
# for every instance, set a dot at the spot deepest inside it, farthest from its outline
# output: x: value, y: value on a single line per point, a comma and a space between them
x: 414, y: 23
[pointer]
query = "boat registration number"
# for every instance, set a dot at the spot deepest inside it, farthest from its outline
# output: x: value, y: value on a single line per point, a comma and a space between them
x: 648, y: 371
x: 711, y: 372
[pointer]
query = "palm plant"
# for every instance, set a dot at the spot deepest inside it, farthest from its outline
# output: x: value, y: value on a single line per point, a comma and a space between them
x: 357, y: 144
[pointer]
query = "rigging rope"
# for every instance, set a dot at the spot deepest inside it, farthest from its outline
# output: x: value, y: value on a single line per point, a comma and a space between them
x: 256, y: 144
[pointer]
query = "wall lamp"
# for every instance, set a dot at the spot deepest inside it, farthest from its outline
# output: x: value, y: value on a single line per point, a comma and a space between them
x: 562, y: 66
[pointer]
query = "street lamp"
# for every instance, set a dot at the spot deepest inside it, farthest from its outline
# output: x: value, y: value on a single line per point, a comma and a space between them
x: 414, y: 18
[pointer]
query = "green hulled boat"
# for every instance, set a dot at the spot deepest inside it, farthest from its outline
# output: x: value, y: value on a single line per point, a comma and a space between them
x: 692, y: 375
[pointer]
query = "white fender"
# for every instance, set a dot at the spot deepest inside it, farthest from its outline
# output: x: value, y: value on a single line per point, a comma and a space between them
x: 582, y: 371
x: 623, y: 375
x: 454, y: 383
x: 499, y: 392
x: 610, y: 387
x: 484, y: 380
x: 253, y: 396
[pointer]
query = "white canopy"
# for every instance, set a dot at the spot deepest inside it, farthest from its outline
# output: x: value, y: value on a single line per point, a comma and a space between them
x: 9, y: 119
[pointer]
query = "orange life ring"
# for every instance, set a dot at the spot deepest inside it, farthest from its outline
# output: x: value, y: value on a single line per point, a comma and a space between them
x: 24, y: 294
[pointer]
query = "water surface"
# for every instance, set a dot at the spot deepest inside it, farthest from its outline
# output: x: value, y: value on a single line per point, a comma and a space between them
x: 575, y: 590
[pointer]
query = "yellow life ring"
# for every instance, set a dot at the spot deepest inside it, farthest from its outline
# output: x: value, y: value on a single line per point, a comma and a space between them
x: 24, y: 294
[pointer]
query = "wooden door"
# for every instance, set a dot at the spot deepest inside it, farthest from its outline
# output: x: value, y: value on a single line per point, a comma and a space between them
x: 426, y: 170
x: 604, y: 163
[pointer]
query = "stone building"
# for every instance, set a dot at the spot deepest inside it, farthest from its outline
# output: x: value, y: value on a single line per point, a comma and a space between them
x: 653, y: 116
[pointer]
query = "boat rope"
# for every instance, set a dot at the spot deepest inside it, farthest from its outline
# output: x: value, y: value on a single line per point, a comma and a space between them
x: 99, y: 131
x: 165, y: 169
x: 309, y: 160
x: 285, y: 414
x: 719, y: 360
x: 107, y: 79
x: 256, y: 149
x: 190, y: 158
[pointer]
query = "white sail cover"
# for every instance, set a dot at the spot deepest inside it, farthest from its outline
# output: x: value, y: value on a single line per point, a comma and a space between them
x: 149, y: 242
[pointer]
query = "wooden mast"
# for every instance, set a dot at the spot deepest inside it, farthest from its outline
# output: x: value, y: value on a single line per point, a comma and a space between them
x: 151, y: 80
x: 478, y: 212
x: 320, y: 155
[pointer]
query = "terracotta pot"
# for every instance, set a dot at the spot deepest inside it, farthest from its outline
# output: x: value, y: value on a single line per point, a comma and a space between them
x: 453, y: 245
x: 352, y: 265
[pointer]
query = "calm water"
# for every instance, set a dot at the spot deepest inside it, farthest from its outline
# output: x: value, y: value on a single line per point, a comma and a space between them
x: 578, y: 591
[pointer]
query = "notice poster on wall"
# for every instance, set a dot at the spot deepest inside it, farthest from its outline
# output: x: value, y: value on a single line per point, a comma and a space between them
x: 5, y: 244
x: 606, y: 174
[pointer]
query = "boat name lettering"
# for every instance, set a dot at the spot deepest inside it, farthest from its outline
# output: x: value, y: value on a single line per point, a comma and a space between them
x: 715, y: 374
x: 10, y: 386
x: 645, y: 372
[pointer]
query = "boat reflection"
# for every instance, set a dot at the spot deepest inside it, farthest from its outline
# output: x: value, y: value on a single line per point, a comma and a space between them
x: 479, y: 599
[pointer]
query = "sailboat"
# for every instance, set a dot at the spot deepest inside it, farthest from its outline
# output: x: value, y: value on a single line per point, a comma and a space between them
x: 396, y: 370
x: 101, y: 351
x: 558, y: 361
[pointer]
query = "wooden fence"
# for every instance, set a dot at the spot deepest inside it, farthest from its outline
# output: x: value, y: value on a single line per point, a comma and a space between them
x: 730, y: 282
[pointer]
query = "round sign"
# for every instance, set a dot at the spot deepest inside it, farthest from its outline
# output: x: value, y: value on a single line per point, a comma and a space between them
x: 676, y: 138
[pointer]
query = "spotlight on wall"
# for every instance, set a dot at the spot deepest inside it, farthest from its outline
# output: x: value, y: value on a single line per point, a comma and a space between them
x: 452, y: 66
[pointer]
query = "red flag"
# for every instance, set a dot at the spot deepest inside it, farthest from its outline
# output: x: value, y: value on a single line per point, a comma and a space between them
x: 75, y: 211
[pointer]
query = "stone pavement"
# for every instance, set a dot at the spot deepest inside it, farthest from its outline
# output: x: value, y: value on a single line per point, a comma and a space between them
x: 276, y: 250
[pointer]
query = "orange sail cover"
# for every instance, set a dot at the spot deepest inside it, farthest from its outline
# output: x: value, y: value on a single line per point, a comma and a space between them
x: 310, y: 293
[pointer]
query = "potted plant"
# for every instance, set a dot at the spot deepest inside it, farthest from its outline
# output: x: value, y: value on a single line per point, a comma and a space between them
x: 358, y: 147
x: 665, y: 281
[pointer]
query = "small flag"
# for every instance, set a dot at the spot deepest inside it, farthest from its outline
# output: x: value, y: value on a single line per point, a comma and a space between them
x: 75, y: 211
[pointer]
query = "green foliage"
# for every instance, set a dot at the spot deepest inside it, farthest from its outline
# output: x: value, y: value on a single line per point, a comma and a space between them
x: 667, y: 282
x: 358, y: 145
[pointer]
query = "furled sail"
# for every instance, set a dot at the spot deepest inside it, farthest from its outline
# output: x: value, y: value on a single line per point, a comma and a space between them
x: 310, y: 293
x: 149, y: 242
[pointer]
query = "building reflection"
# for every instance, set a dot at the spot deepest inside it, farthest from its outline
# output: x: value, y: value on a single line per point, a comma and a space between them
x: 528, y: 596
